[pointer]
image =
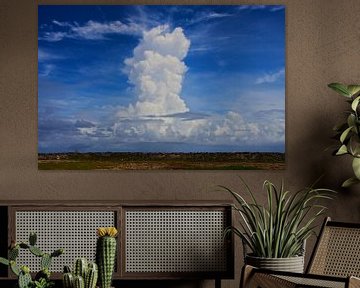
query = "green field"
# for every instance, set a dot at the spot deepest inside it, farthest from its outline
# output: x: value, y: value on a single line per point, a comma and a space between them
x: 161, y: 161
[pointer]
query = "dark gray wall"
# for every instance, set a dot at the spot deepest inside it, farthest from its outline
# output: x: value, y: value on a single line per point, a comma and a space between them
x: 322, y: 38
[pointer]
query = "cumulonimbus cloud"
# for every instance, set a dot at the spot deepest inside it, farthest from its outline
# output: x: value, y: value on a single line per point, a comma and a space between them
x: 157, y: 71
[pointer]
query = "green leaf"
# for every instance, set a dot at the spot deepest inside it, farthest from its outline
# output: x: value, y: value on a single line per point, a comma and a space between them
x: 14, y: 268
x: 4, y: 261
x: 340, y: 88
x: 356, y: 167
x: 355, y: 103
x: 32, y: 238
x: 351, y: 120
x: 353, y: 89
x: 345, y: 134
x: 354, y: 143
x: 342, y: 150
x: 349, y: 182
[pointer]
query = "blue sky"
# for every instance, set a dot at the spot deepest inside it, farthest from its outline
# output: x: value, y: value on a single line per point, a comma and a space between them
x: 161, y: 78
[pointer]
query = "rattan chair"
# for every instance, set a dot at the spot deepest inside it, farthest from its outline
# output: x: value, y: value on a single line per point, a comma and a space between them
x: 334, y: 263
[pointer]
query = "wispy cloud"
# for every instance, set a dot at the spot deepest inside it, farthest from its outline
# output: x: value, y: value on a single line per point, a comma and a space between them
x: 44, y: 56
x: 91, y: 30
x: 270, y: 77
x: 277, y: 8
x: 272, y: 8
x: 207, y: 16
x: 46, y: 70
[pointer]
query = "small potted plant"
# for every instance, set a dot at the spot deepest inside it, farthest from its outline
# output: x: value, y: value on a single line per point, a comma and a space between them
x: 42, y: 278
x: 348, y: 132
x: 276, y: 233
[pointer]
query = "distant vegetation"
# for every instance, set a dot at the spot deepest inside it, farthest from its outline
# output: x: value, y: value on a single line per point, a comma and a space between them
x: 161, y: 161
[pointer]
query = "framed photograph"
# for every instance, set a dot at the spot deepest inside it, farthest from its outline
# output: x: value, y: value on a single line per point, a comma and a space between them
x: 161, y: 87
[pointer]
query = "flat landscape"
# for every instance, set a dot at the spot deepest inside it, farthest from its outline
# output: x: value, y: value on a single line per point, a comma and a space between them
x: 161, y: 161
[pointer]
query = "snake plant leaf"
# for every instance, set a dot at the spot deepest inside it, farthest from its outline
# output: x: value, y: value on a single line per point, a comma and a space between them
x: 345, y: 134
x: 342, y: 150
x: 355, y: 103
x: 349, y: 182
x: 340, y: 88
x: 356, y: 167
x: 353, y: 89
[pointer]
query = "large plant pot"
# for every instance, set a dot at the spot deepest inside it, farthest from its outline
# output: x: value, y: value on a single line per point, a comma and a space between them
x: 291, y: 264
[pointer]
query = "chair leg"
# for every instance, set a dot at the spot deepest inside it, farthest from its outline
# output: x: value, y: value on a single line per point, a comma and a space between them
x: 246, y: 274
x: 354, y: 282
x: 251, y: 279
x: 217, y: 283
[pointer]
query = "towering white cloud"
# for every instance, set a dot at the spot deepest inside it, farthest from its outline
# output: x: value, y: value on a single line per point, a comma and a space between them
x: 157, y: 71
x: 158, y: 114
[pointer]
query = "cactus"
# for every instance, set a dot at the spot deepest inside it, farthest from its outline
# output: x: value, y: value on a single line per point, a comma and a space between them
x: 68, y: 280
x: 42, y: 278
x: 36, y: 251
x: 32, y: 238
x: 106, y: 254
x: 80, y: 267
x: 89, y: 272
x: 57, y: 252
x: 45, y: 261
x: 91, y: 276
x: 44, y: 273
x: 4, y: 261
x: 13, y: 253
x: 79, y: 282
x: 24, y: 280
x: 14, y: 268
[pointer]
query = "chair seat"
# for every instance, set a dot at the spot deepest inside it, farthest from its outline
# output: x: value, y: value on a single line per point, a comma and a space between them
x: 314, y: 282
x: 263, y: 278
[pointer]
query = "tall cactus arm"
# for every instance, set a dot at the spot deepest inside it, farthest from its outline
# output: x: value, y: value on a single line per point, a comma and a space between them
x: 80, y: 268
x: 91, y: 276
x: 79, y: 282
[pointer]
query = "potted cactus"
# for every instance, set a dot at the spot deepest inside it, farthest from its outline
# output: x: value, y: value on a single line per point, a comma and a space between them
x: 42, y: 278
x: 85, y: 275
x: 106, y: 254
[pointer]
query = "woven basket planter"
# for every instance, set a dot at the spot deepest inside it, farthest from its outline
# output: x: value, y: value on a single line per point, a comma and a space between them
x: 291, y: 264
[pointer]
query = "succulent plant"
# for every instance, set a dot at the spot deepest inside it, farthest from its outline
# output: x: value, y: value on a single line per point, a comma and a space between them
x: 42, y: 278
x: 106, y: 254
x: 85, y: 275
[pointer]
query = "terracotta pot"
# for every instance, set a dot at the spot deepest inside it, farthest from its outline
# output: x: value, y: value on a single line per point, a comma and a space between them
x: 291, y: 264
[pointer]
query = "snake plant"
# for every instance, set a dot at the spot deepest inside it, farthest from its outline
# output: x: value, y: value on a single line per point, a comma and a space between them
x: 348, y: 132
x: 279, y: 228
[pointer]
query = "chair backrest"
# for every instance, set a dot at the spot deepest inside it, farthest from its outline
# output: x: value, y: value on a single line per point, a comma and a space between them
x: 337, y: 251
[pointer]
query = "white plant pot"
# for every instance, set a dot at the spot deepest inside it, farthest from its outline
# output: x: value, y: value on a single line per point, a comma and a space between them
x: 291, y: 264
